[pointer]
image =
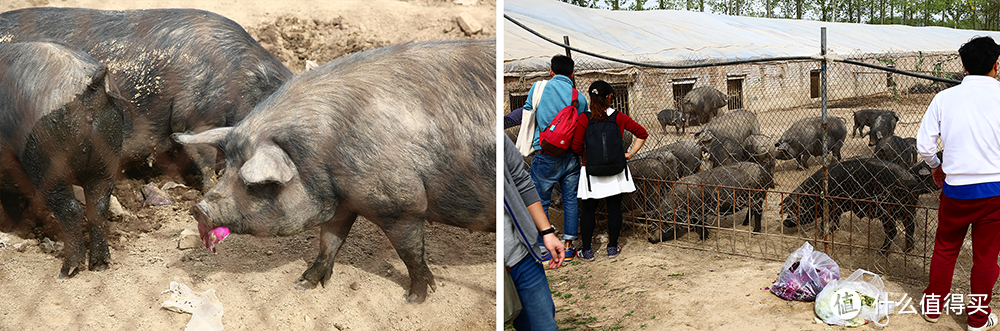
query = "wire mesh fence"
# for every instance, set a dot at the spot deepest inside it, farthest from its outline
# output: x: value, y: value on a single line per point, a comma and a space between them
x: 879, y: 213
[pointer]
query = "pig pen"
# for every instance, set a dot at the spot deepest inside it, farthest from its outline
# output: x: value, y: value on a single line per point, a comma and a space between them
x: 779, y: 94
x: 253, y: 277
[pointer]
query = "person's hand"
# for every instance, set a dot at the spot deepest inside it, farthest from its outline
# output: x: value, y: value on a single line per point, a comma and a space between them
x: 556, y: 249
x: 628, y: 156
x: 938, y: 176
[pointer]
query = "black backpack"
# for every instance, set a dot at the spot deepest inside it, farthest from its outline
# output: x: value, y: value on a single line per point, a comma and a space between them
x: 602, y: 147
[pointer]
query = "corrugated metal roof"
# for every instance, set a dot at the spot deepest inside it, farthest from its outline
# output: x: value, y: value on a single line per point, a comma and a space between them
x: 672, y: 36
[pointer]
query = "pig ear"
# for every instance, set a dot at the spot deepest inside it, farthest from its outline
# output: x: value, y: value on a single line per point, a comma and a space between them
x: 212, y: 137
x: 269, y: 164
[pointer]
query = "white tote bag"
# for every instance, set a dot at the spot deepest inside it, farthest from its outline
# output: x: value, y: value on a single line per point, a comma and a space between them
x: 526, y: 135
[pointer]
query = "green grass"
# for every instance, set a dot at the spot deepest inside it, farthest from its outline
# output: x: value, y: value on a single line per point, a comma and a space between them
x: 629, y: 313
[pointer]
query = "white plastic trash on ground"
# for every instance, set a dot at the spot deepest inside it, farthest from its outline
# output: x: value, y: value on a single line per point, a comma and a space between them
x: 855, y: 301
x: 204, y: 307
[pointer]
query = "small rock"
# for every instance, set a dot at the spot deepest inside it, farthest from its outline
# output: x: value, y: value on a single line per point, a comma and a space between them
x: 115, y: 207
x: 189, y: 239
x: 190, y: 195
x: 339, y: 326
x: 310, y: 65
x: 469, y: 24
x: 354, y: 286
x: 78, y: 193
x: 49, y: 246
x: 466, y: 2
x: 154, y: 196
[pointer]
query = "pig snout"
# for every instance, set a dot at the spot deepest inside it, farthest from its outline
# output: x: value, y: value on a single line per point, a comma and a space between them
x: 209, y: 236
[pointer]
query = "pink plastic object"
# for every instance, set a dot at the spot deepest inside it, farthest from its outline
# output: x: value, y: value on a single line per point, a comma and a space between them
x: 213, y: 236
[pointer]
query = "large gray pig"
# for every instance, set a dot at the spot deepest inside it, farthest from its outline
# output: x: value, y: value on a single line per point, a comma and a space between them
x: 700, y: 105
x: 399, y: 135
x: 61, y: 121
x: 183, y: 69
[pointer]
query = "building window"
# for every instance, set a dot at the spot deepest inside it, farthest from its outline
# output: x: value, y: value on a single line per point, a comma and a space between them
x: 517, y: 100
x: 735, y: 91
x: 619, y: 100
x: 681, y: 88
x: 814, y: 83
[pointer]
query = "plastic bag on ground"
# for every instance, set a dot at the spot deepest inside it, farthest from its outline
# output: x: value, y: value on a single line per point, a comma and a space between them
x: 854, y: 301
x: 204, y: 307
x: 804, y: 274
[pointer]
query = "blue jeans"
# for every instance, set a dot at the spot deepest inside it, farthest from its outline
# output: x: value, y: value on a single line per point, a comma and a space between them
x: 547, y: 171
x: 538, y: 312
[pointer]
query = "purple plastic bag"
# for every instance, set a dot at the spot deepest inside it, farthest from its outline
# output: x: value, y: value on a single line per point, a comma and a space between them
x: 804, y: 274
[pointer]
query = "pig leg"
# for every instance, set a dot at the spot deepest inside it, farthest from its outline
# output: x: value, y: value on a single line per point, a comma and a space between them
x: 802, y: 159
x: 70, y: 215
x: 407, y: 235
x: 332, y: 234
x: 98, y: 195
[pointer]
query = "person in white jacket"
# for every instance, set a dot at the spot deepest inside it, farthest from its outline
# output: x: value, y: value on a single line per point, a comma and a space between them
x: 966, y: 118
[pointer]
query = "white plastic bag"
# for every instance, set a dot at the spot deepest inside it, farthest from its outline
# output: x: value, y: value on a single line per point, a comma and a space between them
x: 526, y: 134
x: 853, y: 301
x: 804, y: 274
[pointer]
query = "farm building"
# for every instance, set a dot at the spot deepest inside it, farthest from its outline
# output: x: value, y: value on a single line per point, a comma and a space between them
x: 669, y: 37
x: 771, y: 67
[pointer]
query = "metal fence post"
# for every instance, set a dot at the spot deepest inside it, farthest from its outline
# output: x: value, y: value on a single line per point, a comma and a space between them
x: 826, y: 148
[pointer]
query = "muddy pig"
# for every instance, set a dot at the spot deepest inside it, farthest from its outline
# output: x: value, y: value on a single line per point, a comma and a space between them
x: 670, y: 117
x: 399, y: 135
x: 866, y: 117
x: 184, y: 69
x: 884, y: 126
x: 700, y: 105
x: 720, y: 191
x: 889, y: 192
x: 805, y: 138
x: 61, y: 120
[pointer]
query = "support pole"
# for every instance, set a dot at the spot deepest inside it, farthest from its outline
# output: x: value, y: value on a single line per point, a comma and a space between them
x: 826, y: 145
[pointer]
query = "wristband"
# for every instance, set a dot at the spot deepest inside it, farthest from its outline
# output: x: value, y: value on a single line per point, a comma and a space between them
x: 552, y: 229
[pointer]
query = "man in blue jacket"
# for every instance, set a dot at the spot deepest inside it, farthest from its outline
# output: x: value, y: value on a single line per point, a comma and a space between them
x: 548, y: 170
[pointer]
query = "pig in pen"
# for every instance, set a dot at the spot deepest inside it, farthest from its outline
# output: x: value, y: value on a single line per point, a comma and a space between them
x: 412, y: 143
x: 781, y: 92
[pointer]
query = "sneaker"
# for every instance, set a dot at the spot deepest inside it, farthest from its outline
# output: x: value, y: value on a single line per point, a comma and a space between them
x: 546, y: 256
x: 570, y: 254
x: 990, y: 323
x: 614, y: 250
x: 587, y: 255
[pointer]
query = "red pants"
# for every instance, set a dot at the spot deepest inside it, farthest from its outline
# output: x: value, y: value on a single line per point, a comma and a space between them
x: 954, y: 218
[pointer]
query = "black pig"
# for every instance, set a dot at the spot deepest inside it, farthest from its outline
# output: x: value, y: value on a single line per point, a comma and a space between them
x: 888, y: 191
x: 61, y: 121
x: 399, y: 135
x: 883, y: 126
x: 899, y: 150
x: 805, y: 138
x: 866, y: 117
x: 718, y: 191
x: 184, y: 69
x: 670, y: 117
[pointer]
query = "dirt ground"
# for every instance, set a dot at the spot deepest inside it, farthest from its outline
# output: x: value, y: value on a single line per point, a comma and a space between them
x: 253, y: 276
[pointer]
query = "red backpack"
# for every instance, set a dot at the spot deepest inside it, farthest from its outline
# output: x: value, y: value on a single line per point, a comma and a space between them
x: 557, y: 136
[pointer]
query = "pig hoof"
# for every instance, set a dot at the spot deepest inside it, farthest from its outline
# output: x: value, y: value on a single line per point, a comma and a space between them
x: 415, y: 297
x: 68, y: 272
x: 789, y: 224
x: 98, y: 266
x: 305, y: 284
